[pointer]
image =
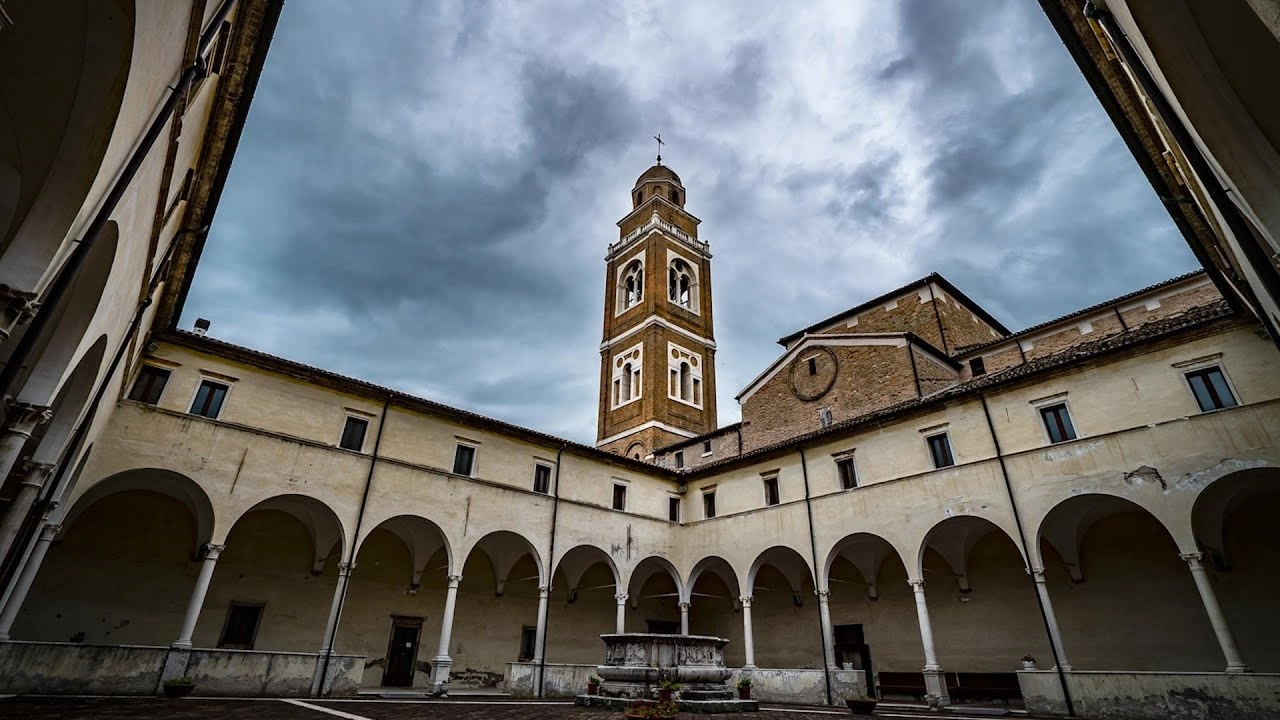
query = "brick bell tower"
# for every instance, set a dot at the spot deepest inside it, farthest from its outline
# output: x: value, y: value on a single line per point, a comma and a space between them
x: 657, y: 360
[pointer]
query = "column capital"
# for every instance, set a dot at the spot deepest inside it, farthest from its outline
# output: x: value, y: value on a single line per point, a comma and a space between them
x: 823, y: 595
x: 345, y: 568
x: 212, y: 551
x: 454, y: 580
x: 544, y: 591
x: 745, y: 600
x: 35, y: 473
x: 16, y: 307
x: 22, y: 417
x: 620, y: 597
x: 49, y: 532
x: 1037, y: 574
x: 917, y: 585
x: 1194, y: 559
x: 684, y: 606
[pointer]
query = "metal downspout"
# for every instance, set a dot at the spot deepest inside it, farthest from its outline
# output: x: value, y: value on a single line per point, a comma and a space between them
x: 551, y: 556
x: 813, y: 553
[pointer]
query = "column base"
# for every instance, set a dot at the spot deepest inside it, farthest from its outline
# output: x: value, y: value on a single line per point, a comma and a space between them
x: 1241, y: 668
x: 440, y: 667
x: 935, y: 685
x: 175, y: 666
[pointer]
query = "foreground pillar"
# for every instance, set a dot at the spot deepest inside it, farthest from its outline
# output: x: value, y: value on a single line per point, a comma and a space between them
x: 620, y: 626
x: 20, y: 421
x: 824, y: 616
x: 684, y: 618
x: 1235, y: 663
x: 34, y: 476
x: 1054, y: 633
x: 540, y: 636
x: 25, y: 578
x: 935, y: 682
x: 320, y: 680
x: 196, y: 603
x: 442, y: 663
x: 748, y: 639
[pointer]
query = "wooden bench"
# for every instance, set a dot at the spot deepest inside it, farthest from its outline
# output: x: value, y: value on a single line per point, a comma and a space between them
x: 901, y: 683
x: 968, y: 686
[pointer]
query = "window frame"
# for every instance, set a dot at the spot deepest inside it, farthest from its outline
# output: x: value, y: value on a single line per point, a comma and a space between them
x: 364, y: 437
x: 542, y: 466
x: 613, y: 500
x: 679, y: 459
x: 1069, y: 427
x: 143, y: 368
x: 706, y: 448
x: 951, y: 453
x: 709, y: 501
x: 226, y: 622
x: 634, y: 265
x: 1202, y: 364
x: 674, y: 508
x: 205, y: 378
x: 475, y: 457
x: 1040, y: 405
x: 841, y: 460
x: 772, y: 490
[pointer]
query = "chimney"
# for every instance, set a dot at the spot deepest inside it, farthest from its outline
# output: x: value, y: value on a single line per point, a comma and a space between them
x: 202, y: 326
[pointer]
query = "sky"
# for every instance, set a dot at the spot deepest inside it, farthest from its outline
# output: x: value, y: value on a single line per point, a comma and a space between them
x: 424, y: 192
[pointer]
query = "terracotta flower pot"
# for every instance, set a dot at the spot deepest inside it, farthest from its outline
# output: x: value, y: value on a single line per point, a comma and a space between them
x: 861, y: 707
x: 744, y: 693
x: 177, y: 691
x: 593, y: 689
x: 664, y: 695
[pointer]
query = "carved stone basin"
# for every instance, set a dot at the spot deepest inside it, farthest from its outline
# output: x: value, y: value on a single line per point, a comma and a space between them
x: 635, y: 660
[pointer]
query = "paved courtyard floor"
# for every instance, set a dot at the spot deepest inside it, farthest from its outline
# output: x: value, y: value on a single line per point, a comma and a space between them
x: 105, y: 708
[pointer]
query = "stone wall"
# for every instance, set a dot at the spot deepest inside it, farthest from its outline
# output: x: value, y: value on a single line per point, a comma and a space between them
x: 1153, y: 695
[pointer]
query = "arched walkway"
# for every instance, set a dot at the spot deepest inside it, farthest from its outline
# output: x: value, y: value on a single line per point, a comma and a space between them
x: 873, y: 617
x: 1235, y: 528
x: 655, y: 598
x: 496, y: 616
x: 715, y: 605
x: 584, y: 604
x: 1118, y: 585
x: 781, y: 593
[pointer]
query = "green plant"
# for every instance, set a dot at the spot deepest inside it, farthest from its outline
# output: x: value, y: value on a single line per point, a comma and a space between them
x: 593, y: 680
x: 668, y: 685
x: 638, y: 709
x: 1028, y: 658
x: 180, y: 681
x: 744, y: 683
x: 665, y: 709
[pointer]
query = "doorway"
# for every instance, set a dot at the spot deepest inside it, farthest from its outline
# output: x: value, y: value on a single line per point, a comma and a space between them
x: 402, y: 652
x: 852, y: 651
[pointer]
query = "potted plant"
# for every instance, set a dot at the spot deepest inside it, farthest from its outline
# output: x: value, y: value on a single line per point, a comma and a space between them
x: 637, y: 709
x: 665, y: 689
x: 744, y: 688
x: 1028, y: 662
x: 861, y: 704
x: 665, y: 709
x: 179, y: 687
x: 593, y: 685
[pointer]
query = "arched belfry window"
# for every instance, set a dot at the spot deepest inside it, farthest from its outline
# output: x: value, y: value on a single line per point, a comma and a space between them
x: 680, y: 284
x: 633, y: 285
x: 685, y: 370
x: 675, y: 196
x: 626, y: 375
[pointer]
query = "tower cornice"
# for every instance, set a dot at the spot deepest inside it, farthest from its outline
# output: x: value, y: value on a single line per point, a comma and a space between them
x: 657, y: 224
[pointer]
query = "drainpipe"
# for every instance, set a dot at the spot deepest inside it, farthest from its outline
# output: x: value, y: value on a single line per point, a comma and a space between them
x: 1026, y: 551
x: 1253, y: 255
x: 66, y: 276
x: 1124, y: 327
x: 53, y: 489
x: 551, y: 557
x: 345, y: 578
x: 813, y: 550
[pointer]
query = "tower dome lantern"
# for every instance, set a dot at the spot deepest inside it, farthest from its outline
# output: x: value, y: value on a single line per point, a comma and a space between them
x: 660, y: 181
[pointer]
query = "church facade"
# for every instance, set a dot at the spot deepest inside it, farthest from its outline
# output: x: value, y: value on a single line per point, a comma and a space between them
x: 915, y: 499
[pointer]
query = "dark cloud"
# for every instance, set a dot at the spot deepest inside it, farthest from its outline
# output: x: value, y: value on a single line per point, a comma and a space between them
x: 423, y: 195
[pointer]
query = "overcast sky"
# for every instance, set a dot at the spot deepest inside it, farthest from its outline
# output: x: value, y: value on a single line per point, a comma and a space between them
x: 424, y: 191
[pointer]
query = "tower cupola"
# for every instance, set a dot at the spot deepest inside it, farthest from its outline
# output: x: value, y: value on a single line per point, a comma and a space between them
x: 658, y: 181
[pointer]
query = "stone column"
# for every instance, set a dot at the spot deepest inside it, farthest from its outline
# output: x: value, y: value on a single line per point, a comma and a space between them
x: 620, y: 626
x: 1235, y: 663
x: 442, y: 663
x: 34, y: 476
x: 20, y: 421
x: 1054, y: 633
x: 828, y: 635
x: 748, y: 640
x: 934, y: 680
x: 540, y: 634
x: 16, y: 307
x: 319, y: 679
x: 25, y: 578
x: 684, y: 618
x: 197, y: 595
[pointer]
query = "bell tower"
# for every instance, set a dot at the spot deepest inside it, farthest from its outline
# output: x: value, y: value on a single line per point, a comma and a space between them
x: 657, y: 360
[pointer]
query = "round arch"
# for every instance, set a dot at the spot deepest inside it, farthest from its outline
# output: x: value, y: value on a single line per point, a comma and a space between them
x: 1220, y: 500
x: 328, y: 539
x: 504, y: 549
x: 164, y: 482
x: 714, y: 565
x: 70, y: 404
x: 421, y: 537
x: 1063, y: 528
x: 953, y: 539
x: 68, y: 70
x: 787, y: 561
x: 40, y: 380
x: 866, y: 552
x: 579, y: 558
x: 647, y: 568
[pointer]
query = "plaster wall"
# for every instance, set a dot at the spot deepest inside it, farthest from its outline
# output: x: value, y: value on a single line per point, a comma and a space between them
x: 1154, y: 695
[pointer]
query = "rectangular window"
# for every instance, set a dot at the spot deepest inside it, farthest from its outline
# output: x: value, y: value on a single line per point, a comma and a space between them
x: 1057, y: 422
x: 209, y: 397
x: 541, y: 479
x: 709, y: 504
x: 940, y: 450
x: 771, y: 491
x: 679, y: 459
x: 528, y: 638
x: 673, y: 509
x: 241, y: 626
x: 619, y: 497
x: 977, y: 367
x: 706, y: 447
x: 464, y: 460
x: 353, y: 434
x: 150, y: 384
x: 813, y: 365
x: 848, y: 474
x: 1211, y: 390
